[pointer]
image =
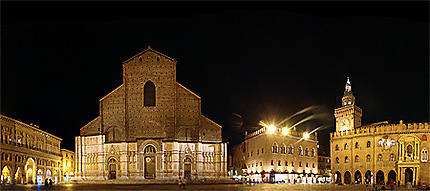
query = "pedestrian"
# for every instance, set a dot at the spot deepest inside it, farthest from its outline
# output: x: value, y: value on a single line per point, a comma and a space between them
x: 50, y: 182
x: 184, y: 182
x: 46, y: 182
x: 392, y: 184
x: 180, y: 183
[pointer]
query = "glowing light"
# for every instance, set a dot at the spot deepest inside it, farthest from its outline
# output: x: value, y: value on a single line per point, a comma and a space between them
x: 285, y: 131
x: 271, y: 129
x: 68, y: 164
x: 306, y: 135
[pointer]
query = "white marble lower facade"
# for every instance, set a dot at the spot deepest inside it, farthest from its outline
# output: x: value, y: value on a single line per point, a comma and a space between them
x: 148, y: 159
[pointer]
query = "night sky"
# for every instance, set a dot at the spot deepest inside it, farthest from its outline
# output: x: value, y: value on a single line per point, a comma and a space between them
x: 248, y: 61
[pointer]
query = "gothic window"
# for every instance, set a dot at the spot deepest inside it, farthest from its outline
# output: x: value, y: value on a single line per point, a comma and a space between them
x: 380, y: 143
x: 149, y: 94
x: 306, y: 152
x: 346, y: 146
x: 275, y: 148
x: 424, y: 155
x: 368, y: 144
x: 380, y: 157
x: 262, y: 150
x: 283, y: 149
x: 313, y: 153
x: 392, y: 157
x: 357, y: 145
x: 357, y: 159
x: 271, y: 162
x: 290, y: 149
x: 286, y: 163
x: 424, y: 138
x: 300, y: 151
x: 337, y: 147
x: 368, y: 158
x: 346, y: 159
x: 393, y: 142
x: 279, y: 163
x: 300, y: 164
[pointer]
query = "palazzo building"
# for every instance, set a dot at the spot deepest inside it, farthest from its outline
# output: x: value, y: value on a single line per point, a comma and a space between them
x: 68, y: 164
x: 377, y: 152
x: 150, y: 127
x: 28, y: 154
x: 275, y: 155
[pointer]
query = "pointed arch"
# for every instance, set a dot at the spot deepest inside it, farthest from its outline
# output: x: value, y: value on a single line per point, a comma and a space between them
x: 149, y: 94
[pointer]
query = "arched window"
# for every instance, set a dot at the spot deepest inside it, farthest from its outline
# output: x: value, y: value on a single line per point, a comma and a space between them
x: 290, y: 149
x: 337, y: 147
x: 283, y: 149
x: 357, y: 145
x: 424, y: 155
x: 149, y: 94
x: 300, y: 151
x: 368, y: 158
x: 346, y: 159
x: 313, y: 153
x: 380, y: 143
x: 380, y: 157
x: 393, y: 142
x: 424, y: 138
x: 368, y: 144
x: 346, y: 146
x: 392, y: 157
x: 357, y: 159
x: 337, y: 160
x: 275, y: 148
x: 306, y: 152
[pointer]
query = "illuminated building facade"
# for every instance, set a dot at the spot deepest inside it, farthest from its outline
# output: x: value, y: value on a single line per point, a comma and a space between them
x: 270, y: 155
x: 150, y: 127
x: 28, y: 154
x: 67, y: 164
x: 379, y: 152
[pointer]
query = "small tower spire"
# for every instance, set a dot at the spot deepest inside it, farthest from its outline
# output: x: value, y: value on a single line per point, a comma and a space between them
x: 348, y: 98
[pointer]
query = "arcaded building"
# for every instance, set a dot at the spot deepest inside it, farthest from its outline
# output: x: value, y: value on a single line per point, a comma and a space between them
x: 28, y: 154
x: 67, y: 164
x: 377, y: 152
x: 150, y: 127
x: 276, y: 156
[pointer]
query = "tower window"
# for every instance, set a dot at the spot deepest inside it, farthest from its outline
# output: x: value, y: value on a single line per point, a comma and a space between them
x: 149, y: 94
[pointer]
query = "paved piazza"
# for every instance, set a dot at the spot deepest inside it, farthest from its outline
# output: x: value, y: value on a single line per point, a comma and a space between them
x: 193, y: 187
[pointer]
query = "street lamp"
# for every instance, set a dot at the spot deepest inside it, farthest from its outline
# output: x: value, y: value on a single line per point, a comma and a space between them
x: 271, y: 129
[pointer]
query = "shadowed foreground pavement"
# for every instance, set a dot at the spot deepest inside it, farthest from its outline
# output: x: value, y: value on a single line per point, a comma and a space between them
x: 255, y: 187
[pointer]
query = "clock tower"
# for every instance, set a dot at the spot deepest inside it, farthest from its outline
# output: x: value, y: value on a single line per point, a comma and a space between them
x: 349, y: 115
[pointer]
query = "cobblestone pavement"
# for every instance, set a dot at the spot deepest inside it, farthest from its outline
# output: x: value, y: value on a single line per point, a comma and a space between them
x: 239, y: 187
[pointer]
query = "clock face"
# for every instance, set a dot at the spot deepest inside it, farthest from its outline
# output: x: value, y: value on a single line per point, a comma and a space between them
x: 344, y: 124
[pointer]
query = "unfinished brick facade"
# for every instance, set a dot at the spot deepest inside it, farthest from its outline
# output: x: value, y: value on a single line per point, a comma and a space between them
x: 150, y: 127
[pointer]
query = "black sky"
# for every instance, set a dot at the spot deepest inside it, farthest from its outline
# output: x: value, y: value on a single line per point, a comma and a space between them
x: 260, y: 60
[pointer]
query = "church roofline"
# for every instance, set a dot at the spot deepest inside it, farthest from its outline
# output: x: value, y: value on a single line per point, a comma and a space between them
x: 212, y: 121
x: 110, y: 93
x: 188, y: 90
x: 149, y: 49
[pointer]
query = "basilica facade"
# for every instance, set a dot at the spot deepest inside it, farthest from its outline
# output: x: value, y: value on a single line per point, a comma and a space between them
x: 150, y: 127
x: 380, y: 152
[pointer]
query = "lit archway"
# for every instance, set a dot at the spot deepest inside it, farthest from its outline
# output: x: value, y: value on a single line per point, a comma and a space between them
x: 391, y: 176
x: 380, y: 178
x: 368, y: 177
x: 5, y: 174
x: 347, y: 177
x: 29, y: 170
x: 357, y: 177
x: 338, y: 178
